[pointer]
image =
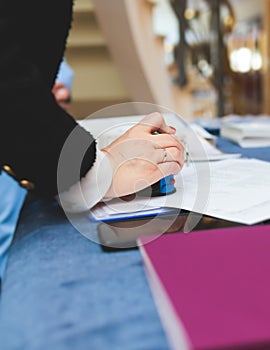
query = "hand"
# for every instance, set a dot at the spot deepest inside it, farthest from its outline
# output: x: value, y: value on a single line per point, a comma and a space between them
x: 61, y: 94
x: 140, y: 158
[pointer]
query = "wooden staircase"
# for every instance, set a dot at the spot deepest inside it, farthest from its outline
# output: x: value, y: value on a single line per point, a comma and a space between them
x: 139, y: 53
x: 96, y: 81
x: 117, y: 58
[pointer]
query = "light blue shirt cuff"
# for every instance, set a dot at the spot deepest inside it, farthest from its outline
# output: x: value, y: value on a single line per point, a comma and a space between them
x: 65, y: 75
x: 12, y: 198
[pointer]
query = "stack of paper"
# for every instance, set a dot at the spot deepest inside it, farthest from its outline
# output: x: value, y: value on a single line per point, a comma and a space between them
x: 247, y: 134
x: 235, y: 190
x: 231, y: 189
x: 119, y: 209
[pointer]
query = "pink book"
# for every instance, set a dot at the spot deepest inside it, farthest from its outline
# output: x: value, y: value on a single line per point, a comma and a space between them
x: 212, y: 288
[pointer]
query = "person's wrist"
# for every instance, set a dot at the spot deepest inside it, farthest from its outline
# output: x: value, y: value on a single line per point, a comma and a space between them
x: 109, y: 194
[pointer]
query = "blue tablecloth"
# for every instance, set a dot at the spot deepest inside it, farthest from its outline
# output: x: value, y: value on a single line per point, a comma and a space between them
x: 62, y: 292
x: 262, y: 153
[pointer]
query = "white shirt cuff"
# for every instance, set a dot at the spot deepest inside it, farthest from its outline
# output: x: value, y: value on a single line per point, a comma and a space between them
x: 91, y: 189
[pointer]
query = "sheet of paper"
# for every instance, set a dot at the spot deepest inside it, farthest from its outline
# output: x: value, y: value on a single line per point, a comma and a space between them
x: 230, y: 189
x: 205, y: 151
x: 248, y: 134
x: 121, y: 209
x: 203, y: 133
x: 239, y: 190
x: 252, y: 143
x: 236, y: 190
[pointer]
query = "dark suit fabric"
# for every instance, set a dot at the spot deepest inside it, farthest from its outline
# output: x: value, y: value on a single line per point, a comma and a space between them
x: 33, y: 127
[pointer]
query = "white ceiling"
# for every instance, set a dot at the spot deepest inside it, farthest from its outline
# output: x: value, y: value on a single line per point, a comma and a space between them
x: 245, y: 9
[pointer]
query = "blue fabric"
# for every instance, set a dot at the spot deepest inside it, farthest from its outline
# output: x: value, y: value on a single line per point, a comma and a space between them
x: 12, y: 197
x: 262, y: 153
x: 62, y: 292
x: 65, y: 74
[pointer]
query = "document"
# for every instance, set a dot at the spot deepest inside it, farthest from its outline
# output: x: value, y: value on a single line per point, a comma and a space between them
x: 201, y: 150
x: 121, y: 210
x: 248, y: 134
x: 214, y: 183
x: 236, y: 190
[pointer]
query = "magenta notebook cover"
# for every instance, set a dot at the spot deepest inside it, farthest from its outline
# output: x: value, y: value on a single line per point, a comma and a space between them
x: 212, y: 288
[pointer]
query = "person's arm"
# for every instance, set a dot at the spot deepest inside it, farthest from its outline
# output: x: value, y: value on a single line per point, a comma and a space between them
x: 91, y: 189
x: 36, y: 133
x: 134, y: 161
x: 33, y: 127
x: 143, y: 155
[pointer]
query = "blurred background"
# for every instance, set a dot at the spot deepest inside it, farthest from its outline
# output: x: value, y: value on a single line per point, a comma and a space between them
x: 200, y: 58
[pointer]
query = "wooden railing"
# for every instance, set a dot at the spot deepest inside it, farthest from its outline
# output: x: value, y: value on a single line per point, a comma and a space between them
x: 127, y: 25
x: 139, y: 53
x: 118, y: 58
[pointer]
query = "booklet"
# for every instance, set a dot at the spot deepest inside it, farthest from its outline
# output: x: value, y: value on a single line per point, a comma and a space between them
x: 117, y: 210
x: 212, y: 287
x: 247, y: 134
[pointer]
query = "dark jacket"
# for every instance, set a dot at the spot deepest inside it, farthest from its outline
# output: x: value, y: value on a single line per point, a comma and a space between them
x: 33, y: 127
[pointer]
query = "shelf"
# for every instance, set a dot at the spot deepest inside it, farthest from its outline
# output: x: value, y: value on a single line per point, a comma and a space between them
x: 85, y: 31
x: 83, y: 6
x: 86, y: 41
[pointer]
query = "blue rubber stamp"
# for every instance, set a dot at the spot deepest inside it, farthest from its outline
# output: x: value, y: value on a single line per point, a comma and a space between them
x: 164, y: 186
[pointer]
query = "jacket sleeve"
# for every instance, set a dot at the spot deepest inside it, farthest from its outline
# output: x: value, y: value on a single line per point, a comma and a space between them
x: 33, y: 127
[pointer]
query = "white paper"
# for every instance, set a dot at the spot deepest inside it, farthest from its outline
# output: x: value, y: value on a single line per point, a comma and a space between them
x: 233, y: 189
x: 205, y: 151
x: 248, y: 134
x: 236, y: 190
x: 121, y: 209
x: 203, y: 133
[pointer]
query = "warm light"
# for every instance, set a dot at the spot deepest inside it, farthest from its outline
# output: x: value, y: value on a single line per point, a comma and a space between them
x: 240, y: 60
x: 229, y: 21
x: 205, y: 68
x: 233, y: 61
x: 256, y: 62
x: 189, y: 14
x: 243, y: 60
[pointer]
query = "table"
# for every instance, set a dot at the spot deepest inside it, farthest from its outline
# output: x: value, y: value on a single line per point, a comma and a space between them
x: 62, y: 291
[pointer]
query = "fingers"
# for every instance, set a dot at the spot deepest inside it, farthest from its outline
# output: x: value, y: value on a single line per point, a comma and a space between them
x: 169, y: 168
x: 61, y: 94
x: 171, y: 154
x: 165, y: 137
x: 165, y: 140
x: 155, y: 122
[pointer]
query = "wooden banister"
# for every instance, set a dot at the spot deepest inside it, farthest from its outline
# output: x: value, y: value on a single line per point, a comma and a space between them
x: 138, y: 54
